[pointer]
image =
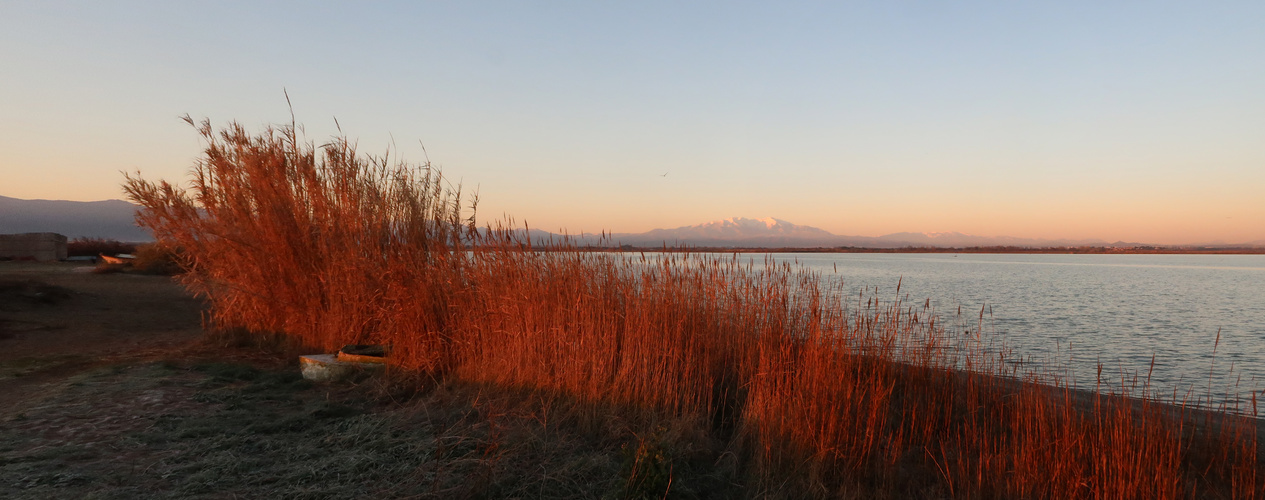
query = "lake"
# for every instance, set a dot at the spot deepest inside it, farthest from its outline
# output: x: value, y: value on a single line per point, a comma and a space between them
x: 1080, y: 310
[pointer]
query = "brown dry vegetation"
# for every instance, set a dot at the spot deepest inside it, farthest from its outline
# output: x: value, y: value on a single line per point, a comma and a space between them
x: 801, y: 390
x: 92, y: 247
x: 109, y: 388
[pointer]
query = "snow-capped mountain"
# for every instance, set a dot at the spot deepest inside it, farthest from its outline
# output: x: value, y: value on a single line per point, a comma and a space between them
x: 740, y: 228
x: 113, y: 219
x: 734, y: 232
x: 768, y: 232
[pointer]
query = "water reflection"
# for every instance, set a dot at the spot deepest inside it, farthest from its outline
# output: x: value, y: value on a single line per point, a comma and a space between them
x: 1079, y: 311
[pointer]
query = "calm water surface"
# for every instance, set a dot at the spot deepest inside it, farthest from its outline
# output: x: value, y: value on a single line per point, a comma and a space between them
x: 1079, y: 310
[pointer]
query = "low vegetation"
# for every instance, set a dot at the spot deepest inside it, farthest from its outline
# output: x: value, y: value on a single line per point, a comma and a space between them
x: 150, y: 258
x: 93, y: 247
x: 779, y: 380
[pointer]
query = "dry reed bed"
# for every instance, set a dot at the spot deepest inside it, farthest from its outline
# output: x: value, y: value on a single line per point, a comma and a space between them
x: 819, y: 393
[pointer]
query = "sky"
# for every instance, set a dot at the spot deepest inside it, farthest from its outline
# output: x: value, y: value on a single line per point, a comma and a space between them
x: 1122, y: 121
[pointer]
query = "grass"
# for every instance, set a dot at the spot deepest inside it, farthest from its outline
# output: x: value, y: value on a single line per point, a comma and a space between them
x: 809, y: 390
x: 234, y: 430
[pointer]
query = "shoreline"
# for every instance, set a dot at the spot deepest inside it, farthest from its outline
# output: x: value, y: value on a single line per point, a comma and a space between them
x: 191, y: 390
x: 1201, y: 417
x: 937, y: 250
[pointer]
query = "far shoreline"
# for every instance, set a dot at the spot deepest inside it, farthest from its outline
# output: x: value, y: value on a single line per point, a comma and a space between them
x: 1139, y: 250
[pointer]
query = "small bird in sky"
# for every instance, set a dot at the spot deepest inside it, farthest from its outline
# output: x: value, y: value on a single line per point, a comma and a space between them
x: 665, y: 174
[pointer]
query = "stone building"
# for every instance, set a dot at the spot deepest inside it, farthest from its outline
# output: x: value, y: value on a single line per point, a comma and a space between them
x: 38, y: 246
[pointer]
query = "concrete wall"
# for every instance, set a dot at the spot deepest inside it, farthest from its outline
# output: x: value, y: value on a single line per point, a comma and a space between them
x: 39, y: 246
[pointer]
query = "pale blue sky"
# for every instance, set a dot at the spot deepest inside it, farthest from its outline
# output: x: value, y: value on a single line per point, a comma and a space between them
x: 1133, y: 121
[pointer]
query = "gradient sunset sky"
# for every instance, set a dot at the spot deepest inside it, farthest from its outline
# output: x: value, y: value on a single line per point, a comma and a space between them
x: 1135, y: 121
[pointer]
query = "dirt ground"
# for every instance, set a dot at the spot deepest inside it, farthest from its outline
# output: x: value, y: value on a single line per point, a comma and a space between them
x: 110, y: 388
x: 58, y: 320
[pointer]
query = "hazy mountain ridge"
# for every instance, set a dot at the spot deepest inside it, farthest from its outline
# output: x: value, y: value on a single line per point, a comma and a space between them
x: 734, y: 231
x: 739, y: 232
x: 109, y: 219
x: 956, y: 240
x: 771, y: 232
x: 114, y: 219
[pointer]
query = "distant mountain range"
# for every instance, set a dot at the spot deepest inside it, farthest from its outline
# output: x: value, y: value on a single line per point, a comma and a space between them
x: 114, y: 219
x: 740, y: 232
x: 110, y: 219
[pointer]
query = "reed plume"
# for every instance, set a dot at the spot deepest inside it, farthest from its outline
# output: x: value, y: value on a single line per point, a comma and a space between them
x: 821, y: 392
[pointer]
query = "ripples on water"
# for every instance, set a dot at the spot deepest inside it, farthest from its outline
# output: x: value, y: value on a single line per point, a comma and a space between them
x: 1076, y: 311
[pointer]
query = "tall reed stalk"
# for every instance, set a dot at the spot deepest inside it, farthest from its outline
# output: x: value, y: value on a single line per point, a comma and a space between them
x: 819, y: 392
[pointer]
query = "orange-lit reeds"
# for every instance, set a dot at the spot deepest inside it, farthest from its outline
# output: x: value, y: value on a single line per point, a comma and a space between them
x: 839, y: 391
